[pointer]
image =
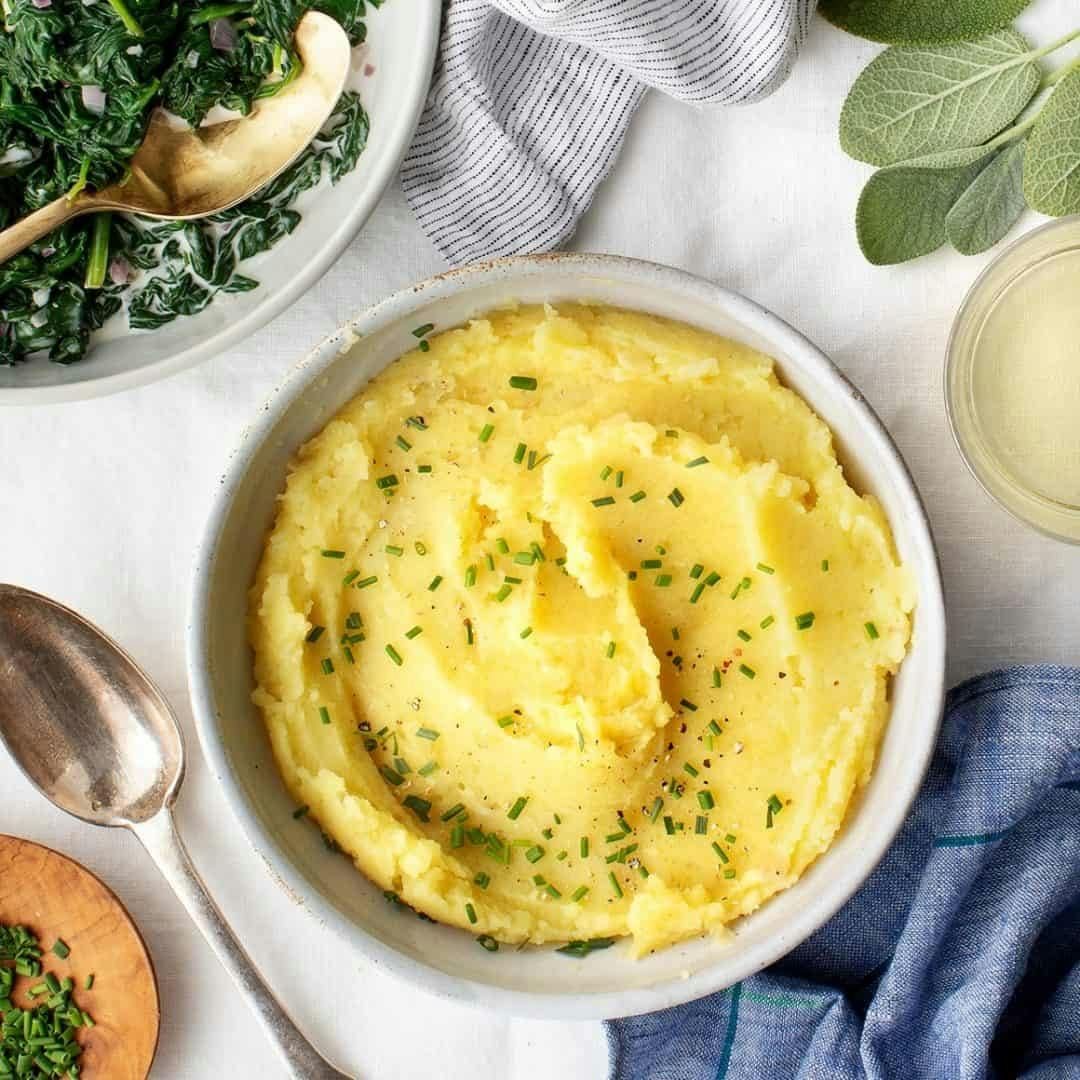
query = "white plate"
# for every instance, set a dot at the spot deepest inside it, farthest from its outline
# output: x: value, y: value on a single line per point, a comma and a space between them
x: 402, y: 38
x: 539, y: 982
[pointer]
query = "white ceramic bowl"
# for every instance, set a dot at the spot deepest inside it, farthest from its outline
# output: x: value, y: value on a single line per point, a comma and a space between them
x: 402, y: 37
x: 447, y: 961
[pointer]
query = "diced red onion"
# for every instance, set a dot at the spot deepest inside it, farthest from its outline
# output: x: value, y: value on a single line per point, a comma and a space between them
x: 119, y: 271
x: 222, y: 35
x: 94, y: 98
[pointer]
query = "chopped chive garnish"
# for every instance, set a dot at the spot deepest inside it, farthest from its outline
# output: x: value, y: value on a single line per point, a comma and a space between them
x: 730, y: 838
x: 470, y: 911
x: 403, y: 443
x: 804, y: 621
x: 669, y: 825
x: 714, y: 727
x: 324, y: 714
x: 391, y: 775
x: 773, y: 806
x: 579, y: 894
x: 401, y: 765
x: 729, y: 874
x: 482, y: 879
x: 871, y: 631
x: 619, y: 479
x: 696, y: 571
x: 744, y: 635
x: 637, y: 496
x: 417, y: 422
x: 457, y: 836
x: 657, y: 806
x: 469, y: 639
x: 696, y: 462
x: 632, y: 575
x: 538, y: 552
x: 327, y: 666
x: 716, y: 676
x: 300, y: 812
x: 583, y: 847
x: 394, y: 655
x: 615, y: 887
x: 701, y: 825
x: 423, y: 468
x: 705, y: 800
x: 610, y: 650
x: 690, y: 770
x: 422, y: 331
x: 519, y: 453
x: 505, y: 721
x: 676, y: 497
x: 825, y: 565
x: 766, y: 622
x: 489, y: 561
x: 350, y: 577
x: 425, y: 346
x: 765, y: 569
x: 712, y: 579
x: 486, y: 941
x: 427, y: 733
x: 436, y: 581
x: 662, y: 580
x: 548, y: 833
x: 365, y: 582
x: 695, y: 596
x: 689, y: 705
x: 486, y: 432
x: 353, y: 621
x: 470, y: 576
x: 503, y: 593
x: 315, y: 633
x: 428, y: 768
x: 421, y: 549
x: 512, y: 580
x: 721, y: 854
x: 332, y: 553
x: 523, y: 382
x: 388, y: 481
x: 420, y: 807
x: 605, y: 472
x: 749, y: 672
x: 651, y: 564
x: 553, y: 892
x: 524, y: 558
x: 393, y: 549
x: 502, y: 546
x: 515, y: 811
x: 535, y: 853
x: 607, y: 500
x: 525, y: 633
x: 89, y: 984
x: 452, y: 813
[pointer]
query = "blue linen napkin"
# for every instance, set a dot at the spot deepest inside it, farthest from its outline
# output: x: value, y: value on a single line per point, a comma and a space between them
x: 958, y: 959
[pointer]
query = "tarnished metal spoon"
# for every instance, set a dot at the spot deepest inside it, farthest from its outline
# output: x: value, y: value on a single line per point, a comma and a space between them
x: 184, y: 172
x: 95, y: 736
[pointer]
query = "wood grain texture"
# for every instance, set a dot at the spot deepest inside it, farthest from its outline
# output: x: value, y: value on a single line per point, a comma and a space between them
x: 56, y: 898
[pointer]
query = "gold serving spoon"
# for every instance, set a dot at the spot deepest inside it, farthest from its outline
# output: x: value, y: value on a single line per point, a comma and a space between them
x: 184, y: 172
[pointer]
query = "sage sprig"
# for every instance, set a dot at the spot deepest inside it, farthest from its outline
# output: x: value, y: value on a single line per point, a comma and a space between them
x: 937, y: 117
x: 921, y: 22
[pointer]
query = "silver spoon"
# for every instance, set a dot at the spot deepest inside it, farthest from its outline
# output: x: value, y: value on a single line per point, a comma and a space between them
x: 95, y: 736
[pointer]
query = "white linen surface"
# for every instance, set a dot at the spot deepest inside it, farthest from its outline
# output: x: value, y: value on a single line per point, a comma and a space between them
x: 101, y: 504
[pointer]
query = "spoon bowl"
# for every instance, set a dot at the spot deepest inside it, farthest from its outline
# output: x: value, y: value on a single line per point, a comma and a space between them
x: 80, y: 718
x: 181, y: 172
x: 98, y: 739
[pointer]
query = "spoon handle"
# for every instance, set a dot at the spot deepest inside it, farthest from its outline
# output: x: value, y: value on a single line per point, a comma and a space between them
x: 38, y: 224
x: 161, y: 840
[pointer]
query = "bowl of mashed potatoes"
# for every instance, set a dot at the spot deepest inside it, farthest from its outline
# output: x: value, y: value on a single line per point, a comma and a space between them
x: 569, y: 634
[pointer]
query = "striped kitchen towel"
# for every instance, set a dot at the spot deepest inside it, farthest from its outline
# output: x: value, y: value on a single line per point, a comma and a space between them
x: 958, y: 959
x: 531, y: 101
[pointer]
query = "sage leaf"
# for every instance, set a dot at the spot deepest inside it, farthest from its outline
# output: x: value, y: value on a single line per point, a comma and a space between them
x: 992, y: 204
x: 902, y: 209
x: 921, y: 22
x: 1052, y: 162
x: 916, y: 100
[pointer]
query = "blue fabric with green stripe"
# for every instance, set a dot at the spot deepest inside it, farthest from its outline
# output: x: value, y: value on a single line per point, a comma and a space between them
x: 958, y: 959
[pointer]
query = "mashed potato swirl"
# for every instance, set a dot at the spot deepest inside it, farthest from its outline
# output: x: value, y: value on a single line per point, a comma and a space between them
x: 571, y: 627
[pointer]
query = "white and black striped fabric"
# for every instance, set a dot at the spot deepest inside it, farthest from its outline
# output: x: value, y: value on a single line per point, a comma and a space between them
x: 532, y: 98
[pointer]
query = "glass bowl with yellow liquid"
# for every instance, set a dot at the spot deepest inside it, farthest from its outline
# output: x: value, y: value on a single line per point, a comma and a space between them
x: 1012, y: 379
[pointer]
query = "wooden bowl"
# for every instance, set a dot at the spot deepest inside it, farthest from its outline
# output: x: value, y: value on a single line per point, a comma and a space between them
x: 55, y: 897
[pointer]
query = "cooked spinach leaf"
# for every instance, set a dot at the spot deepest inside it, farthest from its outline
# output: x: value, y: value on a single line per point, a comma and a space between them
x: 78, y: 81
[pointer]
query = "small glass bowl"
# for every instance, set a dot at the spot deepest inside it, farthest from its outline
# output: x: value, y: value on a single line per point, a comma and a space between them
x: 999, y: 476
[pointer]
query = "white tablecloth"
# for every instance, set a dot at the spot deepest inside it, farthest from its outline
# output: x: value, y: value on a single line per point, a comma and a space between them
x: 101, y: 504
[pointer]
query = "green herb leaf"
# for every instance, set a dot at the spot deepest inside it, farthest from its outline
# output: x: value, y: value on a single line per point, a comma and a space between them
x: 991, y: 205
x: 920, y: 22
x: 902, y: 210
x: 914, y: 101
x: 1052, y: 162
